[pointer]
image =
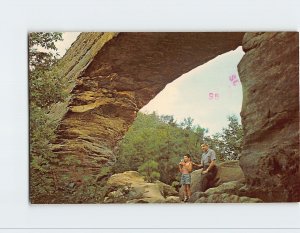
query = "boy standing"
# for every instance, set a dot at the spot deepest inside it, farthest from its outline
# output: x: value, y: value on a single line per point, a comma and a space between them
x: 185, y: 167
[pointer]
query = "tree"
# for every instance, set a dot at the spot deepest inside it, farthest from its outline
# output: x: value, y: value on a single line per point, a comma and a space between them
x: 168, y: 119
x: 149, y: 169
x: 46, y: 88
x: 187, y: 123
x: 160, y: 139
x: 43, y: 59
x: 232, y: 138
x: 228, y: 143
x: 215, y: 142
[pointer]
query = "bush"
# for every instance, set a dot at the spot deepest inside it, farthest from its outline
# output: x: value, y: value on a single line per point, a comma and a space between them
x: 149, y: 169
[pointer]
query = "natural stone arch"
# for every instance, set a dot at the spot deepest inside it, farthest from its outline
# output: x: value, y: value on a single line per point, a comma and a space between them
x: 121, y: 72
x: 123, y: 76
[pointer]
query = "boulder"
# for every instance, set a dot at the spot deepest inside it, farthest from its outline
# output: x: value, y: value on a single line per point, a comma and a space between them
x: 172, y: 199
x: 229, y: 192
x: 227, y: 171
x: 130, y: 187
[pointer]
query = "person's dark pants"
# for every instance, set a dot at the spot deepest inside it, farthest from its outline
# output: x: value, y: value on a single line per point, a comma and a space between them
x: 206, y: 179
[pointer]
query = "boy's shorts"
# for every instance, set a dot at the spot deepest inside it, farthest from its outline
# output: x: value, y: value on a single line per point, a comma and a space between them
x: 185, y: 179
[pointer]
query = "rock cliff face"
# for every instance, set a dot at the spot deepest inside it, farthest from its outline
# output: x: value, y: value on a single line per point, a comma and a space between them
x: 269, y: 72
x: 120, y: 73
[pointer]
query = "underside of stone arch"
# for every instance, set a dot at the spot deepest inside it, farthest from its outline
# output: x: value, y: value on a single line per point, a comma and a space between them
x: 113, y: 75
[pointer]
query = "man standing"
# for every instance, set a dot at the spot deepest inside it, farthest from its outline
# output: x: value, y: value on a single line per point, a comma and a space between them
x: 208, y: 163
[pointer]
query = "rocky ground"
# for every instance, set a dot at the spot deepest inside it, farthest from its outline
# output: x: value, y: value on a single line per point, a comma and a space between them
x: 228, y: 187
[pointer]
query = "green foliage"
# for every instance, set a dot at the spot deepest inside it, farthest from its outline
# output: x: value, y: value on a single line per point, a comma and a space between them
x: 232, y: 138
x: 229, y: 142
x: 160, y: 139
x: 40, y: 132
x: 149, y: 169
x: 45, y: 89
x: 46, y: 40
x: 104, y: 173
x: 45, y: 84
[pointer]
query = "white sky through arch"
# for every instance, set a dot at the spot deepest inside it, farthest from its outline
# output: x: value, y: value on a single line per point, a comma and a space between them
x: 189, y: 95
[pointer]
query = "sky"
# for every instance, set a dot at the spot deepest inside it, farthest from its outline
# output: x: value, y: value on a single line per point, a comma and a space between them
x: 208, y: 93
x: 68, y: 39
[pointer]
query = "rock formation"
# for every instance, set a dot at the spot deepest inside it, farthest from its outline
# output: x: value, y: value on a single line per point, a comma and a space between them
x: 269, y: 72
x: 125, y: 73
x: 229, y: 192
x: 130, y: 187
x: 113, y: 75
